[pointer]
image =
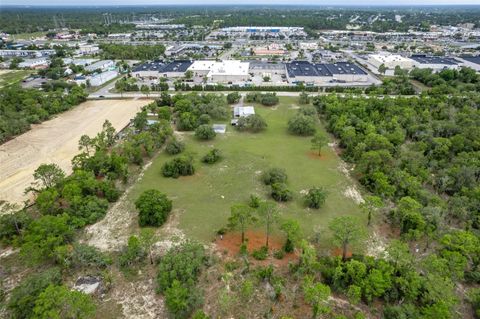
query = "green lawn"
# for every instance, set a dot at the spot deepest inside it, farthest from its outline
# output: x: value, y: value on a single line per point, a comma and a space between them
x: 9, y: 77
x: 204, y: 200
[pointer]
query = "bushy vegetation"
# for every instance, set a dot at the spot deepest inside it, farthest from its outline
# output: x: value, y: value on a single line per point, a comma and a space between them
x: 315, y: 198
x: 253, y: 123
x: 302, y: 124
x: 153, y: 208
x: 267, y: 99
x: 174, y: 147
x: 274, y: 175
x: 205, y: 132
x: 212, y: 156
x: 177, y: 277
x: 132, y: 52
x: 180, y: 166
x: 22, y: 107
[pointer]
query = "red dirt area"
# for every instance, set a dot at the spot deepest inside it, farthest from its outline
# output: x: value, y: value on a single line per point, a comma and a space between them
x: 314, y: 155
x: 338, y: 252
x: 230, y: 244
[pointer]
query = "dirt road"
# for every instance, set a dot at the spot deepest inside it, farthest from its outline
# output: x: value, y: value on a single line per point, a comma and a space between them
x: 56, y: 141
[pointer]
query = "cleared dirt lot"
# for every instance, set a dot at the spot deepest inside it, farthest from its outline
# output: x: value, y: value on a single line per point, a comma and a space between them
x: 56, y: 141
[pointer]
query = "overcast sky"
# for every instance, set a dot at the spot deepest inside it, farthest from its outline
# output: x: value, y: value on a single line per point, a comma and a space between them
x: 237, y: 2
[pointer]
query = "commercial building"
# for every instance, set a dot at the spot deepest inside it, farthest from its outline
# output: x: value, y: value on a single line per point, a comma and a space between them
x: 436, y: 63
x: 87, y: 49
x: 40, y: 63
x: 318, y: 74
x: 228, y: 71
x: 97, y: 79
x: 390, y: 61
x: 263, y: 29
x: 26, y: 53
x: 175, y: 69
x: 103, y: 65
x: 150, y: 70
x: 471, y: 62
x: 272, y: 49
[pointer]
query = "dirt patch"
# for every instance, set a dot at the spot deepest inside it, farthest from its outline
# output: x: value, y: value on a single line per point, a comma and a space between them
x: 230, y: 243
x: 339, y: 252
x: 56, y: 141
x: 314, y: 155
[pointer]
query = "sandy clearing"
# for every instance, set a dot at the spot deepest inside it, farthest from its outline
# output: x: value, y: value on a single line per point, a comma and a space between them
x: 56, y: 141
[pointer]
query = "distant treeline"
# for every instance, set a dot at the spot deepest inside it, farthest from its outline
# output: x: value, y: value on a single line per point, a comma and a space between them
x: 132, y: 52
x: 19, y: 20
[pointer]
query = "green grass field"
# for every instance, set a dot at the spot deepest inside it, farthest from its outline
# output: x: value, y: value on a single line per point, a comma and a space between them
x: 204, y: 200
x: 9, y: 77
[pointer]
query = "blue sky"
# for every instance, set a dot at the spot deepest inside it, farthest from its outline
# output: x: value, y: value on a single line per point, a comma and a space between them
x: 238, y: 2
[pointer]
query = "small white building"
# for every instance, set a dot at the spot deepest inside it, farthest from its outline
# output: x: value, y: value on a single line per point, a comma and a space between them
x: 97, y: 79
x: 243, y: 111
x: 85, y: 49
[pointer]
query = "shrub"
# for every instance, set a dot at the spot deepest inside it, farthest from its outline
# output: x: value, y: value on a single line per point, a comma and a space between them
x: 153, y: 208
x: 204, y: 119
x: 205, y: 132
x: 308, y: 110
x: 315, y: 198
x: 281, y: 193
x: 233, y: 97
x: 133, y: 253
x: 254, y: 201
x: 279, y: 254
x: 212, y: 156
x: 174, y: 147
x: 274, y: 175
x: 269, y: 99
x: 261, y: 253
x: 23, y: 297
x: 180, y: 166
x: 253, y: 123
x: 302, y: 125
x: 164, y: 113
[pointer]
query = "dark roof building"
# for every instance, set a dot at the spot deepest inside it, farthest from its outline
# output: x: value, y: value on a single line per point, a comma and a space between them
x: 430, y: 59
x: 149, y: 66
x: 472, y: 59
x: 304, y: 68
x: 177, y: 66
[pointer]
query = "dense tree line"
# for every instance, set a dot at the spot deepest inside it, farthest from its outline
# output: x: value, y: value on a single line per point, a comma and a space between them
x: 21, y: 107
x: 448, y: 81
x: 132, y: 52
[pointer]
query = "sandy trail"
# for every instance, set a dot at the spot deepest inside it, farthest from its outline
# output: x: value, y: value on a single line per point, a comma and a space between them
x: 56, y: 141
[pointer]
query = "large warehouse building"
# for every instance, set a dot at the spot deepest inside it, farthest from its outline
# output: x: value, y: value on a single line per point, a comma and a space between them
x: 390, y: 61
x: 318, y: 74
x: 436, y: 63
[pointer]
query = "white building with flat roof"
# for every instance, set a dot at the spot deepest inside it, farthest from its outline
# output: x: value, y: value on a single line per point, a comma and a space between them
x: 227, y: 71
x: 390, y: 61
x: 102, y: 65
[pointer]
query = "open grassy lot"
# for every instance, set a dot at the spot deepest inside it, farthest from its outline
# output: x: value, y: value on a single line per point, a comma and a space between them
x: 203, y: 201
x: 9, y: 77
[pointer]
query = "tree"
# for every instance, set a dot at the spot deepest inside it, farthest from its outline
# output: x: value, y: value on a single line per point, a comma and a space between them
x: 315, y: 198
x: 269, y: 215
x: 145, y: 89
x: 23, y: 296
x: 382, y: 68
x: 293, y: 234
x: 233, y: 97
x: 304, y: 98
x: 189, y: 74
x: 346, y: 231
x: 370, y: 206
x: 133, y: 253
x: 205, y: 132
x: 253, y: 123
x: 49, y: 175
x: 241, y: 217
x: 316, y: 294
x: 148, y: 239
x: 319, y: 141
x: 212, y: 156
x: 153, y: 208
x: 59, y: 302
x: 302, y: 125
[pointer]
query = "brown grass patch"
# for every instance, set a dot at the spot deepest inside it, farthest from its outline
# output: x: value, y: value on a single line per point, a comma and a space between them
x: 338, y: 252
